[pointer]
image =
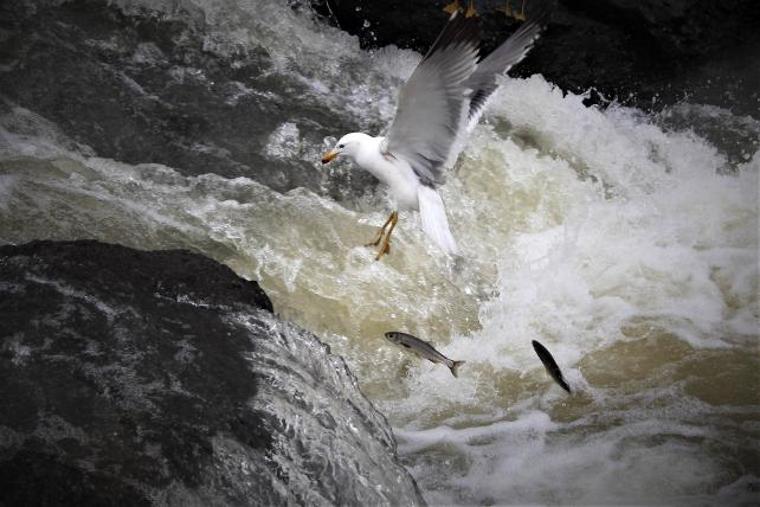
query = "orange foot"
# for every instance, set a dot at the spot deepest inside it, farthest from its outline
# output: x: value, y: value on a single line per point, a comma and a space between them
x: 452, y: 7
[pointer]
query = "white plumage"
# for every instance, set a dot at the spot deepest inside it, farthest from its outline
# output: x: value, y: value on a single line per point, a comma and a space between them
x: 437, y: 106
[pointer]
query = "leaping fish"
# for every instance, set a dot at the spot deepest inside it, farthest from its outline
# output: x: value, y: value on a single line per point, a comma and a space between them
x: 551, y: 365
x: 422, y: 349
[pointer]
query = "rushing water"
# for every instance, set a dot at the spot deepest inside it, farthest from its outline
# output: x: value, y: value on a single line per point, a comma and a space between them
x: 626, y: 243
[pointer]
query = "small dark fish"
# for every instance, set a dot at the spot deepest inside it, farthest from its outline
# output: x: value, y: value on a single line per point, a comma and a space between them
x: 551, y: 365
x: 422, y: 349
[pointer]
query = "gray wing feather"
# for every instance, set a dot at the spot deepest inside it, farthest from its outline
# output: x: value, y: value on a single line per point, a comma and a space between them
x: 483, y: 82
x: 433, y: 102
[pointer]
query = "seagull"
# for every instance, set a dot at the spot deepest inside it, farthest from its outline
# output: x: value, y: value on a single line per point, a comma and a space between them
x: 437, y: 107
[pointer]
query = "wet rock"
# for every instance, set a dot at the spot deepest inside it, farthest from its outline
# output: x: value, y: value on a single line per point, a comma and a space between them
x: 136, y: 378
x: 638, y: 52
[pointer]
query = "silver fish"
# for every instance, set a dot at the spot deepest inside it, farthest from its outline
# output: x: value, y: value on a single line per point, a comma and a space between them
x: 422, y: 349
x: 551, y: 365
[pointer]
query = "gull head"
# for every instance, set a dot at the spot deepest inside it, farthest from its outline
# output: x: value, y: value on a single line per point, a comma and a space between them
x: 348, y: 145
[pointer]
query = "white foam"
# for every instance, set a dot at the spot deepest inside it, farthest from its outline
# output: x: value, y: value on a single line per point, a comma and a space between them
x: 284, y: 142
x: 648, y: 244
x: 652, y: 230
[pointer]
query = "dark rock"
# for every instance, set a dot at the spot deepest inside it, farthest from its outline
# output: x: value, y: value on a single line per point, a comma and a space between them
x: 640, y: 53
x: 136, y: 378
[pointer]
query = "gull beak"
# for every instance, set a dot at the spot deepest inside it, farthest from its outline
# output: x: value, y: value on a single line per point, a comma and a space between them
x: 327, y: 157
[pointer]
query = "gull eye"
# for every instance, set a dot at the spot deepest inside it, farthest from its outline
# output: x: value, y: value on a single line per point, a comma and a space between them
x: 341, y: 146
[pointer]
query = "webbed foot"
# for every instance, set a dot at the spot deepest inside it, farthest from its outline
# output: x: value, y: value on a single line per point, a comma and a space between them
x: 471, y: 11
x: 452, y: 7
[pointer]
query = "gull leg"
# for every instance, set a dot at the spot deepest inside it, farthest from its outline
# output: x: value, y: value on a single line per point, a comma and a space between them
x: 471, y: 11
x: 507, y: 9
x: 452, y: 7
x: 385, y: 247
x: 380, y: 232
x: 511, y: 13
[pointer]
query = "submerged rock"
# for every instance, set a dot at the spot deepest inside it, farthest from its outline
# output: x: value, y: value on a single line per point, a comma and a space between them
x: 136, y: 378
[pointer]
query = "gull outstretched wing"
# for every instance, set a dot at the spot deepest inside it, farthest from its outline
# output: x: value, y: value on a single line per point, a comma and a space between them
x: 483, y: 82
x: 433, y: 104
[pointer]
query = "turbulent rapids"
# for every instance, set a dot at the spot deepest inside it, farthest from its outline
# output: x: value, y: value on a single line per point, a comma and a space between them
x: 625, y: 242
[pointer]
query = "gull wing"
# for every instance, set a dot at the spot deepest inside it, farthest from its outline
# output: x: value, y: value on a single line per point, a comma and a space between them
x: 433, y: 104
x: 483, y: 82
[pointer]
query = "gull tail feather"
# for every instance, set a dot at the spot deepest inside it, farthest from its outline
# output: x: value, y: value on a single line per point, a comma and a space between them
x: 434, y: 221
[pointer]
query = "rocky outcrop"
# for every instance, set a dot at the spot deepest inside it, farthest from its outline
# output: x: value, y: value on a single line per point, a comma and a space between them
x: 136, y: 378
x: 641, y: 53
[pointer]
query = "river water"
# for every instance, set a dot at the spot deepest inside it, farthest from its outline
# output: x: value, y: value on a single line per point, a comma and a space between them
x: 625, y: 242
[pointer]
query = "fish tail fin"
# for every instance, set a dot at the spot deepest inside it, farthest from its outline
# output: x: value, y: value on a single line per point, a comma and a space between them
x: 455, y: 366
x: 434, y: 221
